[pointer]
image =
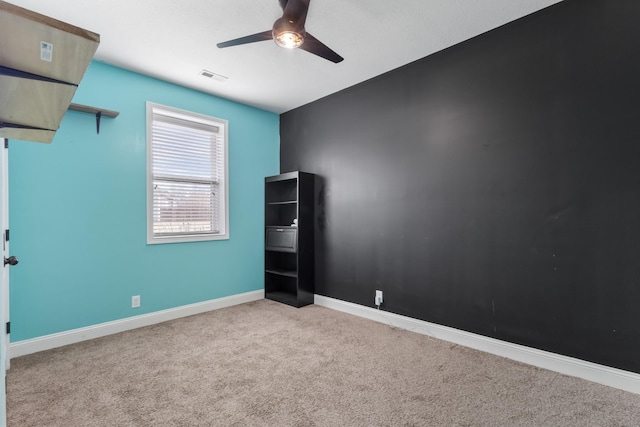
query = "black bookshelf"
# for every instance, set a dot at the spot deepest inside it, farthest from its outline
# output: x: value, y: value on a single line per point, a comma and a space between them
x: 289, y: 216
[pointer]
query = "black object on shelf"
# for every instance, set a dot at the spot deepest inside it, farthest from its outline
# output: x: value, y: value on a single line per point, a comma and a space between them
x: 279, y: 238
x: 289, y: 242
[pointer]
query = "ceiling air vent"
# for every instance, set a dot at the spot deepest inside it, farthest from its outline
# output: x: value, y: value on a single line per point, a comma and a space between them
x: 214, y: 76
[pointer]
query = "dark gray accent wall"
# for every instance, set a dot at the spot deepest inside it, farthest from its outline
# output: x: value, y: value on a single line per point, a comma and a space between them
x: 492, y: 187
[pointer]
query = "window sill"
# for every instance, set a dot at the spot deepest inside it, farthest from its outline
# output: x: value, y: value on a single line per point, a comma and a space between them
x: 186, y: 238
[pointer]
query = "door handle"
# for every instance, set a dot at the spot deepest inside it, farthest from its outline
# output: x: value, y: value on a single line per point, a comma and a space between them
x: 11, y: 260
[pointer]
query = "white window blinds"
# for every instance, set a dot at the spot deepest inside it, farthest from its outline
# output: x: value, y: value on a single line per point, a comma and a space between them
x: 188, y: 175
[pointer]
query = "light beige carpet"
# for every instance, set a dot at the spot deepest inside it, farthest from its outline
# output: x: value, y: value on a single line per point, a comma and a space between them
x: 267, y: 364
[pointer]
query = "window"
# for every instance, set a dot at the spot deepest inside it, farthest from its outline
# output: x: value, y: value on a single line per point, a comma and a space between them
x: 187, y: 191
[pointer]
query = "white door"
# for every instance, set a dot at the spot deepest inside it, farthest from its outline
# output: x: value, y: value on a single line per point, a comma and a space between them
x: 4, y: 277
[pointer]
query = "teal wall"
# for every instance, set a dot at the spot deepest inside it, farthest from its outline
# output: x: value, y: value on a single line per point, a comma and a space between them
x: 78, y: 212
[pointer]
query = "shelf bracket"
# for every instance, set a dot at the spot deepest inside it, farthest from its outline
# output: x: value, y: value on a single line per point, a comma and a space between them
x: 98, y: 117
x: 11, y: 72
x: 99, y: 112
x: 18, y: 126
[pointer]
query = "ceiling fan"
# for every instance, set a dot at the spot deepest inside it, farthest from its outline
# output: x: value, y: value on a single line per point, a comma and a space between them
x: 289, y: 32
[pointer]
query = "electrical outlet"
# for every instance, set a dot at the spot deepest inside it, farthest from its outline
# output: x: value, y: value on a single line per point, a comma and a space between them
x: 135, y: 301
x: 378, y: 299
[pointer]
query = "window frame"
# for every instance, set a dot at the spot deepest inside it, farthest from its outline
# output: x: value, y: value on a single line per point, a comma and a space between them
x: 223, y: 212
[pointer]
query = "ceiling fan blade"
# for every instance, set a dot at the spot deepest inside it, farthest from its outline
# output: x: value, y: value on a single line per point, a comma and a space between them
x: 315, y: 46
x: 258, y: 37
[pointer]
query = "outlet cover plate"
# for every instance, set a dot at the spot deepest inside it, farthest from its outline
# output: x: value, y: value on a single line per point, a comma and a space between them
x: 379, y: 296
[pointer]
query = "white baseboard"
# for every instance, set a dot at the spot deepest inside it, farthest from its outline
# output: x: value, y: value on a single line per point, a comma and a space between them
x: 601, y: 374
x: 47, y: 342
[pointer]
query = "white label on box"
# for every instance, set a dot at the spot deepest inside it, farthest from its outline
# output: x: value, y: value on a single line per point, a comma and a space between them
x: 46, y: 51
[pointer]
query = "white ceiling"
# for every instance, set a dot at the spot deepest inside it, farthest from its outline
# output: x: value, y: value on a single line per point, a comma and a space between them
x: 175, y: 40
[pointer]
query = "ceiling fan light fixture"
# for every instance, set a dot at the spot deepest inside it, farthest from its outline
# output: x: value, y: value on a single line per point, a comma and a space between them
x: 288, y: 33
x: 289, y: 39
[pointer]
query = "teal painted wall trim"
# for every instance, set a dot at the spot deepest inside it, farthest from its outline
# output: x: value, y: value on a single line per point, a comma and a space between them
x: 78, y: 212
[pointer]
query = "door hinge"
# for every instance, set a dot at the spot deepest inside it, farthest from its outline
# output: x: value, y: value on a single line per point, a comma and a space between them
x: 8, y: 328
x: 6, y: 235
x: 6, y: 143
